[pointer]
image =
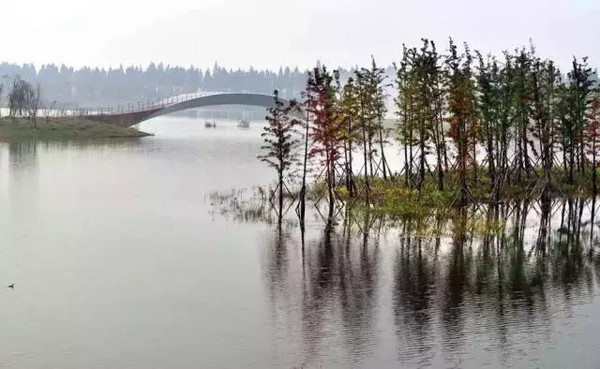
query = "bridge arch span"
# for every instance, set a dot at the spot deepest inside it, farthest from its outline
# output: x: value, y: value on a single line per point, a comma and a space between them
x: 132, y: 118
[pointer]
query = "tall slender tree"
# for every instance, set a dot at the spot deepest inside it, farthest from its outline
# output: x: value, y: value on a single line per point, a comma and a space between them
x: 377, y: 79
x: 348, y: 114
x: 522, y: 80
x: 592, y: 138
x: 280, y: 141
x: 462, y: 113
x: 581, y: 88
x: 406, y: 87
x: 488, y: 92
x: 544, y: 80
x: 325, y: 128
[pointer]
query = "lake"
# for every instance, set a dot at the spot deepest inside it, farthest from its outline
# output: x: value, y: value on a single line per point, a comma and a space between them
x: 122, y: 257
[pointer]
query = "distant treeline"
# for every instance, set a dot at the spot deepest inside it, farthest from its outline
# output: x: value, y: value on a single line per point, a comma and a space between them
x: 89, y: 87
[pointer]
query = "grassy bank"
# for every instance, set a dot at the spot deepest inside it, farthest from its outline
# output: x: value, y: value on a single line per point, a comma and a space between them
x: 62, y: 128
x: 396, y: 198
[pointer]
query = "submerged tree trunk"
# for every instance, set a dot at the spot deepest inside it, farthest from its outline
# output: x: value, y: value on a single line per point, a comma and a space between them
x: 503, y: 160
x: 491, y: 159
x: 582, y: 155
x: 410, y: 159
x: 370, y: 141
x: 406, y: 163
x: 565, y: 162
x: 351, y: 170
x: 475, y: 166
x: 594, y: 168
x: 383, y: 162
x: 440, y: 169
x: 526, y: 162
x: 439, y: 152
x: 443, y: 137
x: 366, y: 158
x: 422, y: 156
x: 462, y: 152
x: 280, y: 193
x: 330, y: 181
x: 571, y: 165
x: 346, y: 169
x: 304, y: 164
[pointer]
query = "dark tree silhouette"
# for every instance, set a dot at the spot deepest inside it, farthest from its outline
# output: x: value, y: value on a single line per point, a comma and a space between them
x: 279, y: 150
x: 327, y: 141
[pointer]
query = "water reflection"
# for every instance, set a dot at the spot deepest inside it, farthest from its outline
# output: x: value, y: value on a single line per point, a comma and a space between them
x: 112, y: 251
x: 448, y: 291
x: 22, y: 158
x: 22, y: 153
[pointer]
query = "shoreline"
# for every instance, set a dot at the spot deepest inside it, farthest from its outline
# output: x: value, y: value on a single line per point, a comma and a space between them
x: 424, y: 217
x: 396, y: 198
x: 63, y: 128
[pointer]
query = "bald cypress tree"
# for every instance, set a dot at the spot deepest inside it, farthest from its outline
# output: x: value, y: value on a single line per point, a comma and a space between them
x: 522, y: 80
x: 544, y: 87
x: 364, y: 120
x: 506, y: 121
x: 575, y: 98
x: 592, y: 138
x: 488, y: 105
x: 377, y: 84
x: 462, y: 113
x: 567, y: 129
x: 280, y: 141
x: 326, y: 129
x: 405, y: 85
x: 581, y: 86
x: 436, y: 90
x: 348, y: 105
x: 424, y: 115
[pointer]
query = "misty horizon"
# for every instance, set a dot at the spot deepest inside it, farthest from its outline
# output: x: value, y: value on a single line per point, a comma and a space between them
x: 595, y: 64
x: 267, y: 33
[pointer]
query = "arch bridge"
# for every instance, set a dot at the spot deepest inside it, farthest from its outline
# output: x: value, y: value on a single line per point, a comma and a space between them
x: 144, y: 112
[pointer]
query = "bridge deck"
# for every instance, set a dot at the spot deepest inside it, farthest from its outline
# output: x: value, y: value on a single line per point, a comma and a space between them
x: 134, y: 117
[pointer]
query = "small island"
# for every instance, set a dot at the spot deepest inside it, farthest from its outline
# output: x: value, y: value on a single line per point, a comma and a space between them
x: 31, y: 117
x: 471, y: 131
x: 62, y: 128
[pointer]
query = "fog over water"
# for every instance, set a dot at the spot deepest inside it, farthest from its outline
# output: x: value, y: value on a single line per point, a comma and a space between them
x: 121, y: 258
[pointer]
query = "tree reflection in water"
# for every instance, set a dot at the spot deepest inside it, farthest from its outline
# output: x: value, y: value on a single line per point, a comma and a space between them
x: 488, y: 276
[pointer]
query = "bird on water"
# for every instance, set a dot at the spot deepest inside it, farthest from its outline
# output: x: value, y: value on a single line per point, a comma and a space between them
x: 12, y: 285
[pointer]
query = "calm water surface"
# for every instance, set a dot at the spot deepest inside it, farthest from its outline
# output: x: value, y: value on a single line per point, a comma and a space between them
x: 120, y: 260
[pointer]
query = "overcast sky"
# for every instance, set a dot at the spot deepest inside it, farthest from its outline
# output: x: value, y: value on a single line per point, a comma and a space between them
x: 270, y: 33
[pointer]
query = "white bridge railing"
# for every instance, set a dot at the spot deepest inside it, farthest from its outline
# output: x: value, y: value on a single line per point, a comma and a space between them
x: 135, y: 107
